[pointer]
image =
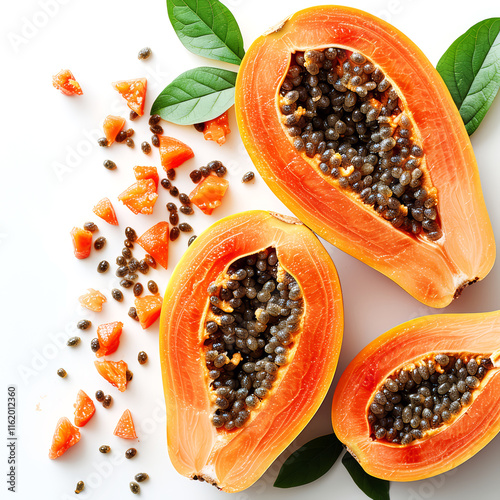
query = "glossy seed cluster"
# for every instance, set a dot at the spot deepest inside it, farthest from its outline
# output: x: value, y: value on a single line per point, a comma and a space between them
x: 254, y: 315
x: 425, y: 397
x: 340, y: 109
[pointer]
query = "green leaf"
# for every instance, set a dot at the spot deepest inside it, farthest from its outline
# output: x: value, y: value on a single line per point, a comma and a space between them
x: 471, y: 70
x: 207, y: 28
x: 309, y: 462
x: 196, y: 96
x: 375, y: 488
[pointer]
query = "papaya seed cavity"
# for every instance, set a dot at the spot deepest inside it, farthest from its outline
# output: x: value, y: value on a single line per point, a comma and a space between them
x: 255, y: 313
x: 342, y: 113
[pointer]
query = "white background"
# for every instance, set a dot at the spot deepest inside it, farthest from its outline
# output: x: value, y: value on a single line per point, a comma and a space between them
x: 52, y: 175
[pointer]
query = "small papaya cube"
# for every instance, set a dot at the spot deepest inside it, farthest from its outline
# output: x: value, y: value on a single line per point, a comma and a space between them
x: 125, y: 427
x: 140, y: 197
x: 84, y: 409
x: 148, y: 309
x: 92, y: 300
x: 104, y: 209
x: 217, y: 129
x: 82, y: 242
x: 108, y: 335
x: 155, y: 241
x: 115, y: 372
x: 208, y: 194
x: 66, y: 83
x: 134, y: 92
x: 173, y: 152
x: 65, y: 436
x: 112, y: 127
x: 147, y: 173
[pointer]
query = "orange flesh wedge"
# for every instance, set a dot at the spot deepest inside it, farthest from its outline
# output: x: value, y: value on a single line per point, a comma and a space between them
x: 234, y: 460
x: 452, y: 444
x: 433, y: 272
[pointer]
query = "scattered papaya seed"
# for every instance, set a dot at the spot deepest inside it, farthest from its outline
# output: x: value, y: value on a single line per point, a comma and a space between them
x: 90, y: 226
x: 80, y: 485
x: 84, y: 324
x: 73, y: 341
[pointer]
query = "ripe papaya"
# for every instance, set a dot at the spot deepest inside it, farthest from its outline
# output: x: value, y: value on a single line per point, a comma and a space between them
x: 250, y: 333
x: 354, y: 130
x: 411, y: 403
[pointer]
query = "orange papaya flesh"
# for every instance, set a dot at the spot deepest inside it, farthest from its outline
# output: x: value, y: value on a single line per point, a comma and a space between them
x: 125, y: 427
x: 108, y: 335
x: 450, y: 443
x: 147, y: 173
x: 66, y: 83
x: 155, y: 241
x: 217, y: 129
x: 104, y: 209
x: 84, y: 409
x: 134, y: 92
x: 82, y: 242
x: 140, y: 197
x: 92, y: 300
x: 65, y: 436
x: 112, y: 127
x: 173, y: 153
x: 115, y: 372
x: 208, y: 194
x: 199, y: 447
x: 148, y: 309
x: 434, y: 272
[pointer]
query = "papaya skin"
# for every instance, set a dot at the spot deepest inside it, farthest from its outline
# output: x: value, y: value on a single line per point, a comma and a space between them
x: 433, y: 272
x: 233, y: 460
x: 450, y: 445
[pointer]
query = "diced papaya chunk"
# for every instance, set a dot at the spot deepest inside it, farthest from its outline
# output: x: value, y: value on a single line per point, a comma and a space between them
x: 140, y: 197
x: 104, y: 209
x: 66, y: 83
x: 108, y: 335
x: 65, y: 436
x: 115, y: 372
x: 173, y: 152
x: 92, y: 300
x: 148, y: 309
x: 147, y: 173
x: 112, y: 127
x: 217, y: 129
x: 125, y: 427
x: 208, y: 194
x: 134, y: 92
x: 155, y: 241
x: 82, y: 242
x: 84, y: 409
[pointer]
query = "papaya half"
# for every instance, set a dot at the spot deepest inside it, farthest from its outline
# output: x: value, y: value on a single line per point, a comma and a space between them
x: 250, y: 333
x: 422, y: 398
x: 354, y: 130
